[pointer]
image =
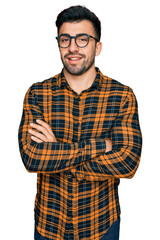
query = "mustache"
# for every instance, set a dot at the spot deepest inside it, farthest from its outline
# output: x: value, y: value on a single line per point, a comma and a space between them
x: 74, y: 54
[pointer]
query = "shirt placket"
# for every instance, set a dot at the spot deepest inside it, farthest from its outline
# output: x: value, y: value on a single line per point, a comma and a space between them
x: 77, y: 112
x: 72, y: 202
x: 76, y: 117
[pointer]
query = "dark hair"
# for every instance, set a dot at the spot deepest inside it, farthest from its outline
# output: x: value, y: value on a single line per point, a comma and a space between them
x: 78, y: 13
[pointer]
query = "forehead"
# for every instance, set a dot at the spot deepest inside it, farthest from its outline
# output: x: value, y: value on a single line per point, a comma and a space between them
x: 74, y: 28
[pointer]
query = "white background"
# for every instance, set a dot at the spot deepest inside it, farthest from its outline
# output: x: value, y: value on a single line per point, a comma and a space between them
x: 131, y: 55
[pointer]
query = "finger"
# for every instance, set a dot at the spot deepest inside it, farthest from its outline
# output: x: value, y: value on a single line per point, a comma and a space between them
x: 36, y: 139
x: 37, y: 135
x: 45, y: 125
x: 40, y: 129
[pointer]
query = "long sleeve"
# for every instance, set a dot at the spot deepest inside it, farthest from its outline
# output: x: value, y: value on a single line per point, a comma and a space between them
x: 124, y: 158
x: 51, y: 157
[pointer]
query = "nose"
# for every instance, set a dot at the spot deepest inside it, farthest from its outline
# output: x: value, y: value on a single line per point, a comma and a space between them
x: 73, y: 46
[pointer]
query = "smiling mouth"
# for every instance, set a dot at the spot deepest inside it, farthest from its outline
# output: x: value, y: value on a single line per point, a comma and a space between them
x: 74, y: 60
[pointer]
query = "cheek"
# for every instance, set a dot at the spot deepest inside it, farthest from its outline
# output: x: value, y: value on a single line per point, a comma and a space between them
x: 63, y: 52
x: 91, y: 53
x: 88, y: 52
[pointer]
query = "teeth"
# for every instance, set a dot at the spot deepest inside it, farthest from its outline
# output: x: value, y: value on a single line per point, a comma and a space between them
x: 74, y: 59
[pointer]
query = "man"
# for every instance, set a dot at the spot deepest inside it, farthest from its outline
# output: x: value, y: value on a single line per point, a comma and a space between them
x: 80, y: 132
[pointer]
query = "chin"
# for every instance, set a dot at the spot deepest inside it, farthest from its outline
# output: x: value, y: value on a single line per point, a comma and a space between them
x: 75, y: 71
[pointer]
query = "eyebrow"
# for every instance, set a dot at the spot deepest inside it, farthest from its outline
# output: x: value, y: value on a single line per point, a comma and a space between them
x: 74, y: 35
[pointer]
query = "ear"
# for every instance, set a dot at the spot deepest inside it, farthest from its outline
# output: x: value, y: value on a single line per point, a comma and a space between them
x: 98, y: 48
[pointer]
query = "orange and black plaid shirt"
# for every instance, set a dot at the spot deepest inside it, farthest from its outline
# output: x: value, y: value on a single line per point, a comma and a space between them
x: 77, y: 182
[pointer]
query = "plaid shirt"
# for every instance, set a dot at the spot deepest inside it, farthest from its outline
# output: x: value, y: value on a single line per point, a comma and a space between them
x: 77, y: 182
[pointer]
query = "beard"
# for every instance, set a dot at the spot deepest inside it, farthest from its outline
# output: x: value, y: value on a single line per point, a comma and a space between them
x: 78, y: 70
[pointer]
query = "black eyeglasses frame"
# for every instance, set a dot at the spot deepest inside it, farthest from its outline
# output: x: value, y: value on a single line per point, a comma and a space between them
x: 75, y: 38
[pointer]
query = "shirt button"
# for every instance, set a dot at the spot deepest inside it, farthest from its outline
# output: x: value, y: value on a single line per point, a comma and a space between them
x: 69, y: 175
x: 70, y: 214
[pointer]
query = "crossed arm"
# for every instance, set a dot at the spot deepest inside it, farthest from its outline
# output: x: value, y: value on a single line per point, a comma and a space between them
x: 44, y: 134
x: 90, y: 159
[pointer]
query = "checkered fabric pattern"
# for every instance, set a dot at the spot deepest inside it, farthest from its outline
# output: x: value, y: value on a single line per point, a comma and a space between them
x: 77, y: 182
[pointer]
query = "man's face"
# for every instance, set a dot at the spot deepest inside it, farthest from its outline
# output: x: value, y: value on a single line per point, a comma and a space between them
x: 78, y: 60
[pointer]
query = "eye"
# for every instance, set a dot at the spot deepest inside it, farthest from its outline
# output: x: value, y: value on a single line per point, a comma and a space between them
x: 82, y: 39
x: 64, y: 39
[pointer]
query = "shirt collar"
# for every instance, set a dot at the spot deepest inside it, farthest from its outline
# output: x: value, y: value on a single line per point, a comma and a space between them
x: 62, y: 82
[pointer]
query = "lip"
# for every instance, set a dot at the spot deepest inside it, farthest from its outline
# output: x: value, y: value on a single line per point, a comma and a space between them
x: 73, y: 59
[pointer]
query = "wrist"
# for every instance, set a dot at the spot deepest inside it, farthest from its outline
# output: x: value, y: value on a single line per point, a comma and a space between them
x: 108, y: 145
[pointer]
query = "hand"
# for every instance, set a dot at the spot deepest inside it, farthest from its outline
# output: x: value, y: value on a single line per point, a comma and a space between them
x: 45, y: 133
x: 108, y: 145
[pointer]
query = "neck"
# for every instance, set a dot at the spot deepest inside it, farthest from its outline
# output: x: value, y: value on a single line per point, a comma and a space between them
x: 81, y: 82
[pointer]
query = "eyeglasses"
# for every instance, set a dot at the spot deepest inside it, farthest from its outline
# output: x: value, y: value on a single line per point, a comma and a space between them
x: 81, y: 40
